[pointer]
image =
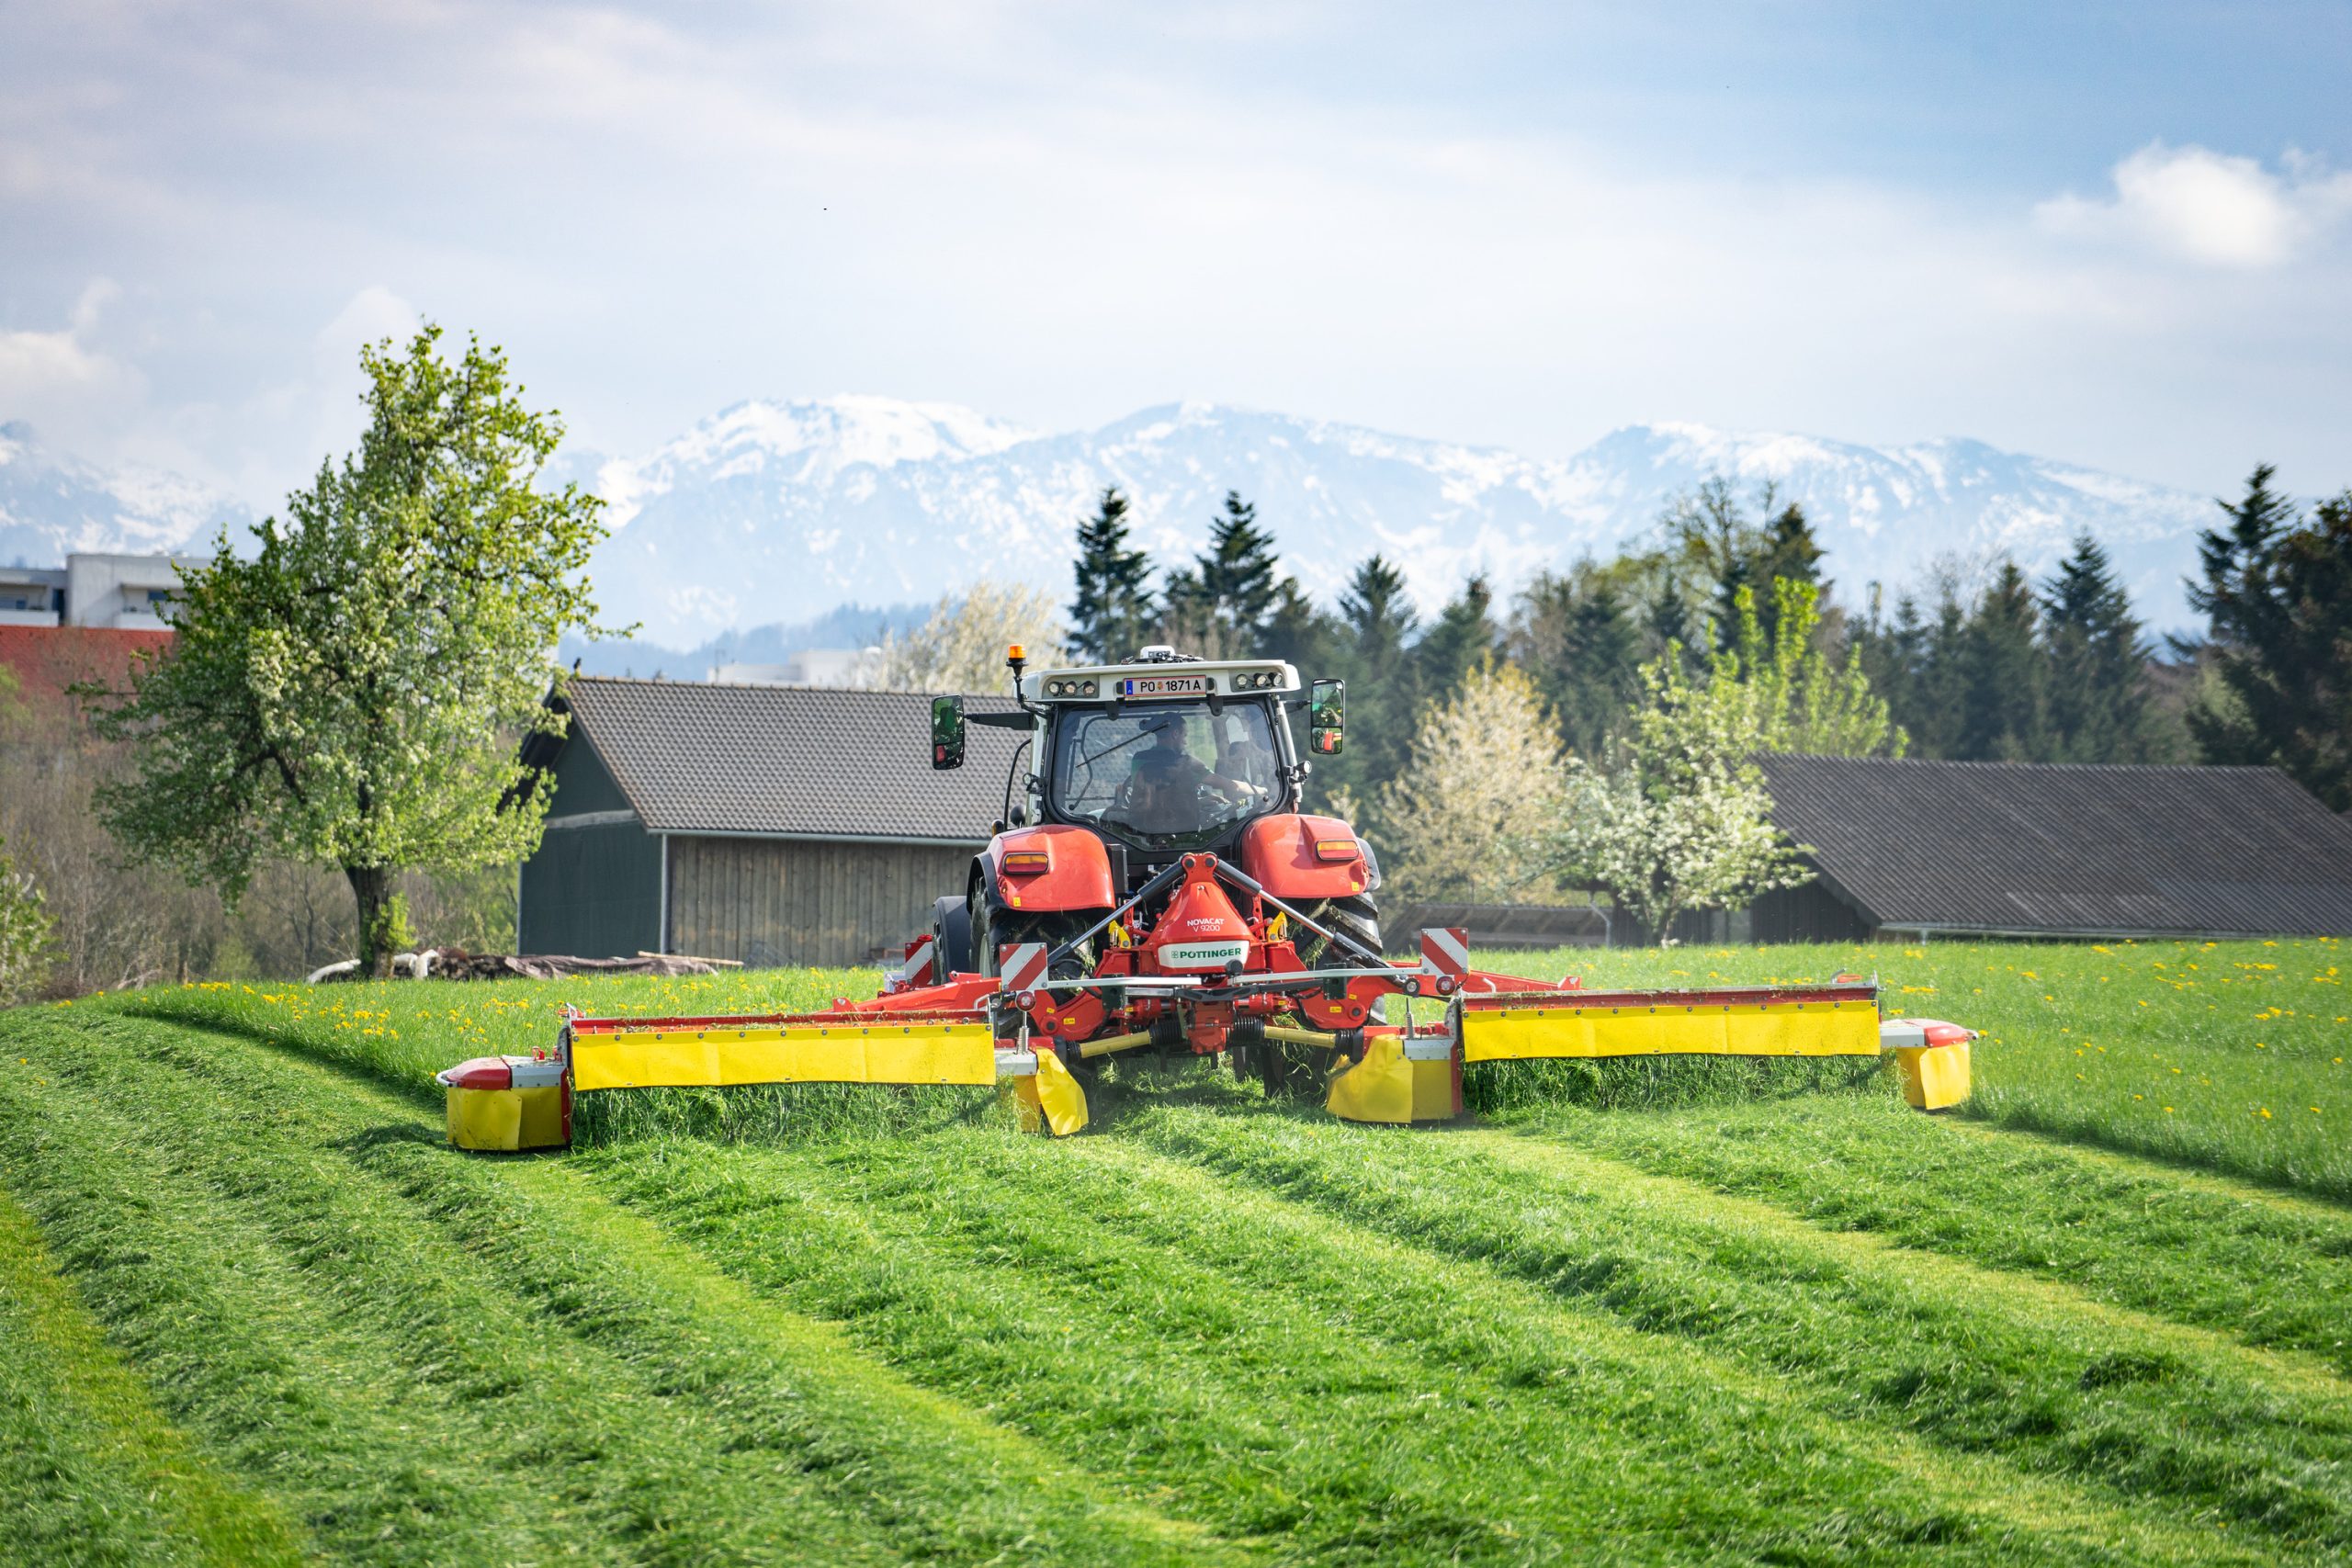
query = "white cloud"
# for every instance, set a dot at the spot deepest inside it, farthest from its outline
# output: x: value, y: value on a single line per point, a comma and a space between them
x: 58, y: 380
x: 2209, y: 206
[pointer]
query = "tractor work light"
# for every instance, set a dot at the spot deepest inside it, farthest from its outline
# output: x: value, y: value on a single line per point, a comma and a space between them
x: 1026, y: 862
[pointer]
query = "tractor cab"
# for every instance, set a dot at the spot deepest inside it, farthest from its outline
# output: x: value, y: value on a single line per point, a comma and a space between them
x: 1131, y: 767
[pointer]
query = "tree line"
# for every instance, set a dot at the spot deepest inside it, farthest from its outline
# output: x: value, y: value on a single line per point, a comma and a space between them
x: 2059, y: 669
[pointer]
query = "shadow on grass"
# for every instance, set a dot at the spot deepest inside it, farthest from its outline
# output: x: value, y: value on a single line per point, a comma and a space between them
x: 2071, y: 1133
x: 425, y: 1094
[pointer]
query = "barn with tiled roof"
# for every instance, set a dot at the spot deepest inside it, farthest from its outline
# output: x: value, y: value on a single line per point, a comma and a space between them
x: 769, y: 824
x: 1922, y: 849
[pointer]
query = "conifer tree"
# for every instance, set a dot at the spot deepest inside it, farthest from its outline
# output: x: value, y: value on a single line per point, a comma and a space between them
x: 2099, y: 708
x: 1113, y: 614
x: 2278, y: 591
x: 2002, y: 676
x: 1788, y: 553
x: 1463, y: 636
x: 1575, y: 634
x: 1241, y: 582
x: 1371, y: 651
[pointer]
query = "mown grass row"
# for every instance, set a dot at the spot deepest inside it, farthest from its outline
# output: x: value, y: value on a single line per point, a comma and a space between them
x: 2270, y: 1269
x: 2232, y: 1056
x: 91, y: 1471
x: 1379, y: 1397
x: 1899, y: 1340
x: 424, y: 1357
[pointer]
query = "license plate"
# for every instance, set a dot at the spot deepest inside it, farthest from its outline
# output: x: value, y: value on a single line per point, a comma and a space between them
x: 1165, y: 687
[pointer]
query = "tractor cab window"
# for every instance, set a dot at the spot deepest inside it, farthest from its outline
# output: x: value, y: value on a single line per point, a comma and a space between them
x: 1168, y: 776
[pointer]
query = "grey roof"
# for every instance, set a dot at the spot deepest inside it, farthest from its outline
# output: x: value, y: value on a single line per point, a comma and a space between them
x: 695, y: 757
x: 2073, y: 850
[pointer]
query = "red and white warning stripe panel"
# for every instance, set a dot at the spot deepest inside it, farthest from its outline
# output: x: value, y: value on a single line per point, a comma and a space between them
x: 1899, y: 1034
x: 916, y: 970
x: 1021, y: 966
x: 1446, y: 950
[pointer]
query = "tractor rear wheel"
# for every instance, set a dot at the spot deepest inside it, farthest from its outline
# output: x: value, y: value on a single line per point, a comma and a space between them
x: 1006, y: 929
x: 1290, y: 1070
x: 951, y: 936
x: 1356, y: 917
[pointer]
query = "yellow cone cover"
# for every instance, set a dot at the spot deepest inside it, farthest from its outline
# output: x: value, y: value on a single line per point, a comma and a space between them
x: 1059, y: 1096
x: 1379, y: 1087
x: 507, y: 1119
x: 1934, y: 1076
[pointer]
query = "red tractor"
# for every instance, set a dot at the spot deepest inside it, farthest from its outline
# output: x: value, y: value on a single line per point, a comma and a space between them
x: 1156, y: 886
x: 1154, y: 845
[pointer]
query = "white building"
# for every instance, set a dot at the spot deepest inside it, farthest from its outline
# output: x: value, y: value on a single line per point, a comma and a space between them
x: 131, y: 592
x: 809, y: 667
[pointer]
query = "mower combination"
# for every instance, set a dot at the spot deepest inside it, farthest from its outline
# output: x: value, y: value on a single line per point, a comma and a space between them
x: 1155, y: 887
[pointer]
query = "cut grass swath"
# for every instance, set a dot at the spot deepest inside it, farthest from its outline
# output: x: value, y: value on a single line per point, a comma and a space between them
x: 662, y: 1416
x: 2042, y: 1385
x: 90, y: 1471
x: 2267, y: 1268
x: 1345, y: 1365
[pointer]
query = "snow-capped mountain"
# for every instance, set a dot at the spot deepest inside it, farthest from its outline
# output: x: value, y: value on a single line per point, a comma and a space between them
x: 781, y: 511
x: 51, y: 505
x: 778, y: 512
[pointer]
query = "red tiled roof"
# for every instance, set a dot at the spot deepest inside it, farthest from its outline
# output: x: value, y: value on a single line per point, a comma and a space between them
x: 47, y: 659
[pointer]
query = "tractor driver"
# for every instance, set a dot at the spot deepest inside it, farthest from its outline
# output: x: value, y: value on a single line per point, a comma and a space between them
x: 1166, y: 778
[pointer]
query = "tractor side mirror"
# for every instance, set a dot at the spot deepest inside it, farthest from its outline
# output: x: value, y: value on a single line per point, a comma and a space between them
x: 1327, y: 717
x: 946, y: 732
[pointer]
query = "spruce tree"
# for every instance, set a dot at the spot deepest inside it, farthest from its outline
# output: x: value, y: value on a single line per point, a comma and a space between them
x: 1371, y: 652
x: 1576, y: 635
x: 2002, y: 675
x: 1788, y: 552
x: 1464, y: 637
x: 1113, y: 614
x: 1240, y: 580
x: 2277, y: 592
x: 2099, y: 707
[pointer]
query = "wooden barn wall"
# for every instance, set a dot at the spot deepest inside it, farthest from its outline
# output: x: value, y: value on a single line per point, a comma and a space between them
x: 1809, y: 912
x: 775, y: 901
x: 591, y: 892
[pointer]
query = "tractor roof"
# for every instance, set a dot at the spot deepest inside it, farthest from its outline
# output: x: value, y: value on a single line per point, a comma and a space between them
x: 1157, y: 678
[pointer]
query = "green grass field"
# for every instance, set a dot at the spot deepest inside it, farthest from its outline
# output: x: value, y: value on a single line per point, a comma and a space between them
x: 255, y: 1310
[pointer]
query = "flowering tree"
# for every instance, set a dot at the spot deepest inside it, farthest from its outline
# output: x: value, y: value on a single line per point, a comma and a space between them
x: 25, y: 932
x: 1678, y: 816
x: 961, y: 646
x: 1465, y: 819
x: 351, y: 692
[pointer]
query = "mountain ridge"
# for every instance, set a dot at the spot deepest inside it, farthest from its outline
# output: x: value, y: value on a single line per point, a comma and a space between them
x: 778, y: 510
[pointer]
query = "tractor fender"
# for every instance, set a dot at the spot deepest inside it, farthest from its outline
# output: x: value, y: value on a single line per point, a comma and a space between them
x: 1077, y: 873
x: 1281, y: 853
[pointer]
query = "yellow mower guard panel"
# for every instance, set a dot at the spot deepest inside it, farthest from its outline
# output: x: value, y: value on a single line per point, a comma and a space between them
x: 1842, y: 1028
x: 722, y: 1057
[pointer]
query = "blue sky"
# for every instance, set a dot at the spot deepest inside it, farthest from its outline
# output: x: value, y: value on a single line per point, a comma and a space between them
x: 2121, y: 235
